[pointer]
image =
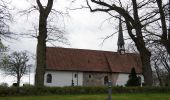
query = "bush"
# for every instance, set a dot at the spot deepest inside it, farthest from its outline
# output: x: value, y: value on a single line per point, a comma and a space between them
x: 133, y: 79
x: 31, y: 90
x: 4, y: 84
x: 14, y: 84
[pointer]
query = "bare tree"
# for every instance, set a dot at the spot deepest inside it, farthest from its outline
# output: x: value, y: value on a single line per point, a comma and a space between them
x: 159, y: 59
x: 16, y: 65
x: 165, y: 36
x: 41, y: 46
x: 134, y: 23
x: 47, y: 30
x: 54, y: 33
x: 156, y: 63
x: 5, y: 17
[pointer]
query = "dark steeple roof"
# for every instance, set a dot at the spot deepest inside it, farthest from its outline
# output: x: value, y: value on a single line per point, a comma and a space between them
x: 120, y: 42
x: 120, y: 37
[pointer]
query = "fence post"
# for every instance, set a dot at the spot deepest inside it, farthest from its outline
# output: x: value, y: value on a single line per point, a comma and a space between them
x: 109, y: 90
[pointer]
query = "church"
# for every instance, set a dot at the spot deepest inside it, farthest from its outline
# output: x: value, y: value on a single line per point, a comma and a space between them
x: 82, y: 67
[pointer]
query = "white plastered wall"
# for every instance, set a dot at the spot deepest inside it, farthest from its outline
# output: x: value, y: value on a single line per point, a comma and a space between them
x: 123, y: 78
x: 64, y: 78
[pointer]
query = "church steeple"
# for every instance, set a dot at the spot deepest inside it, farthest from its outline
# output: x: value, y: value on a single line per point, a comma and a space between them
x: 120, y: 42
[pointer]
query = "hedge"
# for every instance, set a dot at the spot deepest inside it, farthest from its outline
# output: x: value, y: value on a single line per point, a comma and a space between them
x: 31, y: 90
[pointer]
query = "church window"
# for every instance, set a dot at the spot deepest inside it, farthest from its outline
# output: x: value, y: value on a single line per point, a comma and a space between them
x: 89, y: 75
x: 49, y: 78
x: 75, y: 75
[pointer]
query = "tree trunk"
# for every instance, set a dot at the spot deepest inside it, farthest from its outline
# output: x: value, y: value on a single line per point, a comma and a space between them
x: 41, y: 58
x: 167, y: 45
x: 146, y: 67
x: 145, y: 56
x: 158, y: 74
x: 18, y: 81
x: 144, y: 53
x: 141, y: 46
x: 41, y: 55
x: 41, y: 46
x: 41, y: 52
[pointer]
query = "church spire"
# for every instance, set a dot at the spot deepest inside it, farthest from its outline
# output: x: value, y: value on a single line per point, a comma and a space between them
x: 120, y: 42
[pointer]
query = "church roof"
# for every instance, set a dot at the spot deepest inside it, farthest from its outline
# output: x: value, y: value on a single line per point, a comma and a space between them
x: 68, y: 59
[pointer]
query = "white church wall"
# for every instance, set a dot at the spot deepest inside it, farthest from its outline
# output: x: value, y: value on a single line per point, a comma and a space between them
x: 142, y: 78
x: 77, y: 78
x: 123, y: 78
x: 64, y: 78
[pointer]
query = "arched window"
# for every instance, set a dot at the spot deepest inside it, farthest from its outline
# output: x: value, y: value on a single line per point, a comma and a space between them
x: 75, y: 75
x: 89, y: 75
x: 49, y: 78
x: 106, y: 80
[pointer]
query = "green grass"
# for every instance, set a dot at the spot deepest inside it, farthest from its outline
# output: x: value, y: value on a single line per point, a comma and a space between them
x: 156, y: 96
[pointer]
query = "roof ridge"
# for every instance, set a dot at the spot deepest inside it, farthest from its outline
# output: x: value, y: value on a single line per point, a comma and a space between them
x: 82, y: 49
x: 90, y: 50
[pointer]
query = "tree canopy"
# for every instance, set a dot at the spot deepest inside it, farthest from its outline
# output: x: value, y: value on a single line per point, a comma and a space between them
x: 15, y: 65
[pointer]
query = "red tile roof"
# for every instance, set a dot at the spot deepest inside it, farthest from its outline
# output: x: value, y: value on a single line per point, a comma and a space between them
x: 67, y: 59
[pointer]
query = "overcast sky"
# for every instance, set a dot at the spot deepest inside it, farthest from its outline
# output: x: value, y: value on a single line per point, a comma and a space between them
x: 84, y: 29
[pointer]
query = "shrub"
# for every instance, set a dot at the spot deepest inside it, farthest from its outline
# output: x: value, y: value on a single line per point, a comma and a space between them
x: 4, y: 84
x: 31, y: 90
x: 133, y: 79
x: 14, y: 84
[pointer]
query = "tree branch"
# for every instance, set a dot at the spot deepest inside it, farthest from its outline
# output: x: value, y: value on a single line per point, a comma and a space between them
x: 40, y: 5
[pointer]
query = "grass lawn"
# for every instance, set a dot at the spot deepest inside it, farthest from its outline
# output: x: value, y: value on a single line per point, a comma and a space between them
x: 157, y: 96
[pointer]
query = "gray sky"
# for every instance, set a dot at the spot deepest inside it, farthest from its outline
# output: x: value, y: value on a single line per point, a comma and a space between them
x: 84, y: 30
